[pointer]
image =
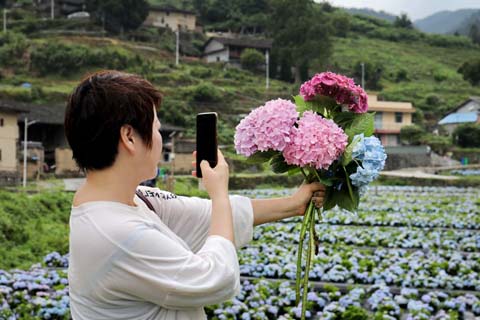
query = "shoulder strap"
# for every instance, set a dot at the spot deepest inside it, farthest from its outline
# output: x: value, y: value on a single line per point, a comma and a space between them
x: 144, y: 199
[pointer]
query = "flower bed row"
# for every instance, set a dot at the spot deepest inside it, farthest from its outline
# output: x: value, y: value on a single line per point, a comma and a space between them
x: 276, y: 300
x: 343, y: 264
x: 422, y: 207
x: 401, y: 237
x: 42, y: 293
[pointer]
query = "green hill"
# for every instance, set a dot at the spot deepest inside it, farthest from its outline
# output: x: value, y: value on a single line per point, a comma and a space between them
x: 409, y: 66
x: 429, y: 73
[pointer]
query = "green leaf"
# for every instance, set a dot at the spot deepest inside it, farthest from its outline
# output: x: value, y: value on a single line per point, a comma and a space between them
x: 344, y: 119
x: 341, y: 198
x: 362, y: 123
x: 279, y: 165
x: 317, y: 176
x: 328, y: 203
x: 300, y: 103
x: 294, y: 171
x: 261, y: 157
x: 347, y: 155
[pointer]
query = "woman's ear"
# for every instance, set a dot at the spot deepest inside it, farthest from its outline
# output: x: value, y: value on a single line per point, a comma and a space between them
x: 127, y: 137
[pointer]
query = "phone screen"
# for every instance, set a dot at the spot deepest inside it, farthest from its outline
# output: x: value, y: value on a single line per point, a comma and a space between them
x: 206, y: 139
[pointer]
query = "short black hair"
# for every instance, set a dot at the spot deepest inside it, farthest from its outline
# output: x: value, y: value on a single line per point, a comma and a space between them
x: 99, y: 106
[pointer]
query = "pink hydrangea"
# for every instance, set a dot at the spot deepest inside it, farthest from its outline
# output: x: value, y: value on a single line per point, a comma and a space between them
x: 266, y: 128
x: 317, y: 142
x: 340, y: 88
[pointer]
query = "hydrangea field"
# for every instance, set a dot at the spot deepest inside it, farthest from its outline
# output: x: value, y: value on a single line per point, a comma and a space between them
x: 409, y: 253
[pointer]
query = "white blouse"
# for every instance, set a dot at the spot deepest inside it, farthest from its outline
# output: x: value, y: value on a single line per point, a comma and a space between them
x: 126, y: 262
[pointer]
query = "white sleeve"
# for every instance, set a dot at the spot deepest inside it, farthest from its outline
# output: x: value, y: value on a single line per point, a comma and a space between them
x: 189, y: 217
x: 155, y: 268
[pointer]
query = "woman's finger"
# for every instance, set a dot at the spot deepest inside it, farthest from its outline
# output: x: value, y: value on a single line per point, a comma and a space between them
x: 319, y: 193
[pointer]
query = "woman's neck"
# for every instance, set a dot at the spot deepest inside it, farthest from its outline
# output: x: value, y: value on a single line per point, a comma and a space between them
x: 107, y: 185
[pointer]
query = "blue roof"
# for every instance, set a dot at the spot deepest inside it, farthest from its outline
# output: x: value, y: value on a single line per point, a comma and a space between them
x: 459, y: 117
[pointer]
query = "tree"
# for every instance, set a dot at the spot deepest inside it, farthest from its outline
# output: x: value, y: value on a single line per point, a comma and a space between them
x: 301, y: 32
x: 251, y: 59
x: 471, y: 71
x: 119, y: 15
x: 474, y: 33
x: 467, y: 135
x: 412, y: 134
x: 373, y: 74
x: 403, y: 22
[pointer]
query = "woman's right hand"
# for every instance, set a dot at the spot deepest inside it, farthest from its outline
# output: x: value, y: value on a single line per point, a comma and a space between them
x: 215, y: 179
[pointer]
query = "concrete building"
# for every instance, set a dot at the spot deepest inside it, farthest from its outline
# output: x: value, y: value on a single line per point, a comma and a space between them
x: 174, y: 19
x: 467, y: 112
x: 224, y: 49
x: 390, y: 117
x: 9, y: 171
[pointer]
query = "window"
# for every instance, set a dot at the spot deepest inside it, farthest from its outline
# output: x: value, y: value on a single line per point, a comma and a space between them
x: 163, y: 20
x: 1, y: 122
x: 378, y: 120
x: 0, y: 154
x: 398, y: 117
x: 218, y: 58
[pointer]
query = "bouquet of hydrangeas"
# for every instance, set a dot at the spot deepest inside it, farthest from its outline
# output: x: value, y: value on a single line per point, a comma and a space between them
x: 326, y: 135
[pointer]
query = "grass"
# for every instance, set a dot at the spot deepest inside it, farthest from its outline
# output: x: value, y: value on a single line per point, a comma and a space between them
x: 430, y: 70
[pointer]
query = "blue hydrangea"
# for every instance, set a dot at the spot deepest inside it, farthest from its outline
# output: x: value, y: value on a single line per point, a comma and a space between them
x: 370, y: 152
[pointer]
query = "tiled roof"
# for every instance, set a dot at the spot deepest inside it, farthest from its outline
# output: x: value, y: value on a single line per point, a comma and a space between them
x: 11, y: 107
x: 244, y: 42
x: 170, y: 9
x: 457, y: 117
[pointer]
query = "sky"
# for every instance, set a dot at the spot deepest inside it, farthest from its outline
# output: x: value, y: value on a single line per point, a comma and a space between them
x: 415, y: 9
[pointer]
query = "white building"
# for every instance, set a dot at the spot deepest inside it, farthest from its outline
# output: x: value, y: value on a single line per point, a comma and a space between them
x: 221, y: 49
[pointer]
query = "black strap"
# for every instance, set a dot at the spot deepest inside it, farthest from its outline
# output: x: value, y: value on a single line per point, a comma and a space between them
x: 144, y: 199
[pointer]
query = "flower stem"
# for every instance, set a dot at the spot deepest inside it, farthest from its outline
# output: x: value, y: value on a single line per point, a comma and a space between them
x: 304, y: 175
x: 350, y: 191
x: 316, y: 174
x: 311, y: 245
x: 303, y: 230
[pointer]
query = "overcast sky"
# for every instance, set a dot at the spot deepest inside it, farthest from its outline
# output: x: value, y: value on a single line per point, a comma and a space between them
x: 416, y: 9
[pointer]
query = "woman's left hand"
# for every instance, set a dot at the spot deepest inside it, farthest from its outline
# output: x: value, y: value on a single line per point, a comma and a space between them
x: 314, y: 191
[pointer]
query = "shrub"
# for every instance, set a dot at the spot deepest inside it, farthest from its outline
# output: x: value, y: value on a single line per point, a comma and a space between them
x: 206, y: 92
x: 411, y: 134
x: 12, y: 48
x: 64, y: 59
x: 467, y: 135
x: 201, y: 72
x: 251, y: 59
x: 58, y: 58
x: 471, y: 71
x: 438, y: 144
x: 402, y: 75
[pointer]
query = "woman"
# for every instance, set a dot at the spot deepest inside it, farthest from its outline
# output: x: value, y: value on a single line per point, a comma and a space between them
x: 127, y: 261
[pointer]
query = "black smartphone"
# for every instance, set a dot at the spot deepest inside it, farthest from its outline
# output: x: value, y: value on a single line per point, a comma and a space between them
x: 206, y: 140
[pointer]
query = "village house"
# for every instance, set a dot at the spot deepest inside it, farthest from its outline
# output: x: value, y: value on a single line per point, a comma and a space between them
x: 9, y: 173
x: 390, y: 117
x: 174, y: 19
x: 467, y: 112
x: 47, y: 146
x: 224, y: 49
x: 60, y: 7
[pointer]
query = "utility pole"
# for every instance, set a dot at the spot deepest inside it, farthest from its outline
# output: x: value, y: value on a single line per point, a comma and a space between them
x: 177, y: 45
x: 171, y: 184
x: 267, y: 67
x: 363, y: 75
x: 4, y: 20
x: 52, y: 9
x: 25, y: 142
